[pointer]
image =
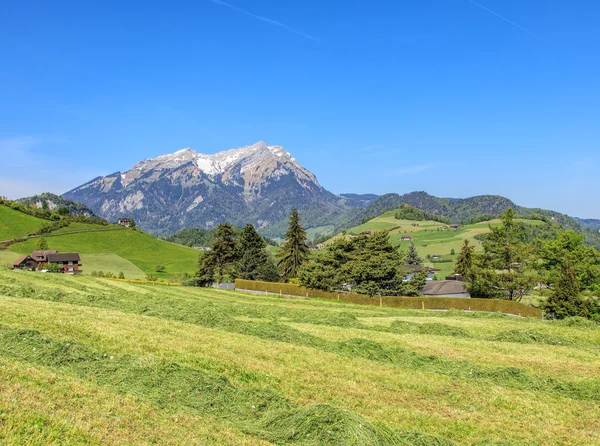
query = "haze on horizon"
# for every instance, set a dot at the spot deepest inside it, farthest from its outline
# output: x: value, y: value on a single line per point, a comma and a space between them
x: 457, y: 98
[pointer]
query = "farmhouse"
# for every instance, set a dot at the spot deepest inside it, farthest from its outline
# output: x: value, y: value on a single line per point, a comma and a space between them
x: 69, y: 261
x: 446, y: 288
x: 25, y: 262
x: 124, y: 222
x: 455, y: 227
x: 436, y: 257
x: 406, y: 238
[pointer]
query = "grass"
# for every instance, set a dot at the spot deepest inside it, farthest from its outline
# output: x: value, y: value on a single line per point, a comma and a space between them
x: 142, y: 250
x: 17, y: 224
x: 110, y: 263
x: 90, y: 361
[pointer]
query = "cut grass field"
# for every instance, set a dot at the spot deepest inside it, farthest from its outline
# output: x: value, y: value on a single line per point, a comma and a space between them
x: 142, y: 250
x: 91, y: 361
x: 427, y: 238
x: 17, y: 224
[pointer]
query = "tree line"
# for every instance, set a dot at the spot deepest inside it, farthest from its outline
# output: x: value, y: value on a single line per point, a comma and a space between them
x: 513, y: 264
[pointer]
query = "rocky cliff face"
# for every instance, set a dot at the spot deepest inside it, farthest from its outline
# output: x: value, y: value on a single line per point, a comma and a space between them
x: 257, y: 184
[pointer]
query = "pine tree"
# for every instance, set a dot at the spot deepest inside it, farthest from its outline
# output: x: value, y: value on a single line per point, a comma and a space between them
x: 464, y: 261
x: 565, y: 299
x: 42, y: 244
x: 224, y: 253
x: 206, y: 270
x: 412, y: 256
x: 254, y: 262
x: 294, y: 251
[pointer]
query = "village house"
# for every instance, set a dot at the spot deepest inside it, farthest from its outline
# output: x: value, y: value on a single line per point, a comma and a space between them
x: 406, y: 238
x: 126, y: 222
x: 436, y: 257
x: 320, y: 245
x: 25, y: 263
x: 446, y: 288
x: 455, y: 227
x: 69, y: 261
x: 42, y: 256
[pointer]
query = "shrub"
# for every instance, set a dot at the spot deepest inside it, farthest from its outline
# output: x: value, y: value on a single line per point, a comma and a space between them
x: 100, y: 274
x: 159, y: 268
x: 121, y: 275
x: 94, y: 273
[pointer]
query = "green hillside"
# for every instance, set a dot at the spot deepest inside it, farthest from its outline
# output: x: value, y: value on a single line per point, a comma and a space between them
x: 141, y: 249
x: 429, y: 238
x: 17, y: 224
x: 92, y: 361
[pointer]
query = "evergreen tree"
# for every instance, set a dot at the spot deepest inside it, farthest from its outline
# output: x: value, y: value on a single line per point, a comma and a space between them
x: 206, y: 270
x: 412, y: 256
x: 254, y: 262
x: 294, y: 251
x: 224, y: 253
x: 565, y: 299
x: 464, y: 261
x: 42, y: 244
x: 505, y: 266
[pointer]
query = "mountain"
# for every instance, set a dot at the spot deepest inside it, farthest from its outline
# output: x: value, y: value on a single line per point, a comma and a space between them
x: 458, y: 210
x: 259, y: 184
x: 53, y: 202
x: 589, y: 223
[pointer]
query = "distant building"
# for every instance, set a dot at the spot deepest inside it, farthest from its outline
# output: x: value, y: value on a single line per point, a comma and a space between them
x: 446, y: 288
x: 124, y: 222
x: 456, y: 277
x: 320, y: 245
x: 42, y: 256
x: 455, y: 227
x: 406, y: 238
x: 436, y: 257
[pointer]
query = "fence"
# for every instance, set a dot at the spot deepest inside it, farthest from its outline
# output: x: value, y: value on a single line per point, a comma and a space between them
x: 417, y: 303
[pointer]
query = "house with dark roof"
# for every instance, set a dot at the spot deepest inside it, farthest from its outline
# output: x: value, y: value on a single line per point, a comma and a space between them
x: 42, y: 256
x: 446, y: 288
x: 406, y: 238
x: 26, y: 263
x: 124, y: 222
x: 68, y: 261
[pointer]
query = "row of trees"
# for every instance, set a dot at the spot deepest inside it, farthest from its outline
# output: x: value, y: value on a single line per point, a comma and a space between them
x: 512, y: 265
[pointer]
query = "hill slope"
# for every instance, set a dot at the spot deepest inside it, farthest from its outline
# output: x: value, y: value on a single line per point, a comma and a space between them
x: 142, y: 250
x: 17, y: 224
x: 172, y: 365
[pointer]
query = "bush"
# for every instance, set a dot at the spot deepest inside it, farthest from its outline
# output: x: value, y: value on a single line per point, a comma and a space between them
x: 94, y: 273
x: 159, y: 268
x: 121, y: 275
x: 100, y: 274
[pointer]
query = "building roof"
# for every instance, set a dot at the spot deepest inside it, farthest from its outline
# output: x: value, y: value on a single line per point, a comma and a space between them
x: 20, y: 260
x: 64, y: 257
x: 43, y: 253
x: 444, y: 288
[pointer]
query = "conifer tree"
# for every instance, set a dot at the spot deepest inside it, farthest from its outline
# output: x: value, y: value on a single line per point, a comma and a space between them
x: 206, y: 270
x: 224, y: 253
x: 254, y: 262
x: 464, y: 261
x: 42, y: 244
x: 565, y: 299
x: 412, y: 256
x: 294, y: 251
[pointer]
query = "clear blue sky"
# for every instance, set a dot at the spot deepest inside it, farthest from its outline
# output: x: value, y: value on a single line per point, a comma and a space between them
x: 454, y: 97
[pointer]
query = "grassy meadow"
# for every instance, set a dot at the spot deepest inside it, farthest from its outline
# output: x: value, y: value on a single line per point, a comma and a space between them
x: 427, y: 238
x: 17, y: 224
x: 92, y: 361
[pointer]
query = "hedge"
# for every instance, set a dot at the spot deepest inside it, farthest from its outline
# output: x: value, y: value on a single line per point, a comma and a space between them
x: 421, y: 302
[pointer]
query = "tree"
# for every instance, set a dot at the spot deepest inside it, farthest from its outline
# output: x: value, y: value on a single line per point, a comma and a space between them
x: 464, y: 261
x: 42, y: 244
x: 412, y: 256
x: 565, y: 300
x: 206, y: 269
x: 63, y: 211
x: 452, y: 252
x: 254, y: 262
x: 364, y: 264
x: 159, y: 268
x: 294, y: 251
x: 504, y: 268
x: 224, y: 252
x: 132, y: 224
x: 121, y: 275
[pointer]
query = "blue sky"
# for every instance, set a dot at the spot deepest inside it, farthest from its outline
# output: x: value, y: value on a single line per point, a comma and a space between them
x: 454, y: 97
